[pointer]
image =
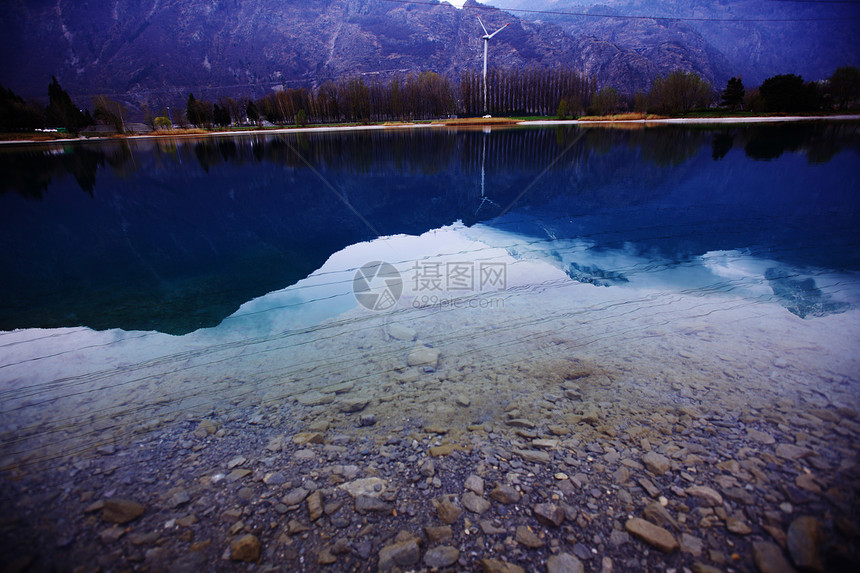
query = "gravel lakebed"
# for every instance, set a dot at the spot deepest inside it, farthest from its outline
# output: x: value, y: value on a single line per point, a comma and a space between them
x: 569, y: 475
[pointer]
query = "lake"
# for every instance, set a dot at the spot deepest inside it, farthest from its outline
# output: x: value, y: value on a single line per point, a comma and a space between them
x: 156, y: 276
x: 595, y: 317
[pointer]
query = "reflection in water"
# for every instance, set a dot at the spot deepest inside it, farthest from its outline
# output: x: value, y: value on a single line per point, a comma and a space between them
x: 174, y: 235
x: 29, y: 171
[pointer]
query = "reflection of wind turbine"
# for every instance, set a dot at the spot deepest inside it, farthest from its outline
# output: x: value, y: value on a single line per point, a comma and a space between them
x: 487, y: 37
x: 484, y: 198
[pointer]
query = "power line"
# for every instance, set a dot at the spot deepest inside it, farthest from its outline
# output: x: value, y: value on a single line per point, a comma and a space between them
x: 630, y: 16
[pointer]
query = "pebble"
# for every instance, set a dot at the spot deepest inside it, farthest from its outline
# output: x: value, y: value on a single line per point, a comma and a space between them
x: 274, y: 478
x: 659, y: 515
x: 657, y: 464
x: 295, y: 496
x: 499, y: 566
x: 366, y: 503
x: 525, y: 536
x: 245, y: 548
x: 441, y: 556
x: 371, y: 486
x: 401, y: 554
x: 564, y: 563
x: 447, y: 511
x: 549, y: 514
x: 534, y: 456
x: 112, y: 534
x: 118, y: 510
x: 315, y: 399
x: 760, y: 437
x: 768, y: 558
x: 738, y: 525
x: 475, y: 503
x: 438, y: 533
x: 315, y: 505
x: 708, y: 496
x: 351, y: 405
x: 791, y: 452
x: 423, y: 356
x: 475, y: 483
x: 401, y: 332
x: 691, y: 544
x: 489, y: 528
x: 505, y: 494
x: 652, y: 534
x: 804, y: 539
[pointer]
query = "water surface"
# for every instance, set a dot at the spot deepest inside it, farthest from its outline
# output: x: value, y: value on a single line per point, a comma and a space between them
x: 146, y: 278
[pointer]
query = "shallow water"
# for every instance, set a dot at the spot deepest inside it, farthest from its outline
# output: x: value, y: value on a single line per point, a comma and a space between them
x: 153, y: 280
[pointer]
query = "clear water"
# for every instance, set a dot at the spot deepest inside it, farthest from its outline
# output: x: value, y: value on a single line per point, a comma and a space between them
x: 152, y: 279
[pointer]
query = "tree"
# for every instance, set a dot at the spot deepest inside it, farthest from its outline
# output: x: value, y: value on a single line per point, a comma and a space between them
x: 62, y: 111
x: 845, y: 86
x: 788, y: 93
x: 605, y: 101
x: 562, y: 109
x: 191, y: 110
x: 251, y: 112
x: 679, y: 93
x: 162, y: 122
x: 733, y: 96
x: 16, y: 114
x: 221, y: 115
x: 109, y: 112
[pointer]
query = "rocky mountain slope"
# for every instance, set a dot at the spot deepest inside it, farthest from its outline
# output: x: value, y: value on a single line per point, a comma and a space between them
x: 156, y: 51
x: 756, y: 39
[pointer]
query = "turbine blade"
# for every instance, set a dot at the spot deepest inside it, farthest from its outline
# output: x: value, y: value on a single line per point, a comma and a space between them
x: 482, y: 26
x: 499, y: 30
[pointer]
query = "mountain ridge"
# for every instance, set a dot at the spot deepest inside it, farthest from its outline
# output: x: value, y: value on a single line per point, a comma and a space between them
x: 155, y: 52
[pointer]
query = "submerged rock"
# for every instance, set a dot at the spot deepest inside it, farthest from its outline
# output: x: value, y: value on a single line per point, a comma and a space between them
x: 804, y: 543
x: 245, y: 548
x: 117, y: 510
x: 423, y: 356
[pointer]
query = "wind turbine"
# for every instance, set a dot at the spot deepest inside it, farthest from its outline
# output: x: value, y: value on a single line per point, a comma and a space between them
x: 487, y: 37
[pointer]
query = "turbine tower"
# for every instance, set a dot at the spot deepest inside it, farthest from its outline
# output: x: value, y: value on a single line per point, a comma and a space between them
x: 487, y: 37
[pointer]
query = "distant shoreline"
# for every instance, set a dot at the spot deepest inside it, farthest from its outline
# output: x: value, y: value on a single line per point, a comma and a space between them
x: 493, y: 122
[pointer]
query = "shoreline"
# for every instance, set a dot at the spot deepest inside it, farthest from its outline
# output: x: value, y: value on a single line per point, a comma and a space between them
x: 449, y: 124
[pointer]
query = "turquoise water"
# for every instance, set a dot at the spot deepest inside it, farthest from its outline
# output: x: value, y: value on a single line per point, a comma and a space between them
x: 152, y: 281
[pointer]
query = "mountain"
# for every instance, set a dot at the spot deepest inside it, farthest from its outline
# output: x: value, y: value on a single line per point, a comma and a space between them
x: 756, y: 39
x: 157, y: 51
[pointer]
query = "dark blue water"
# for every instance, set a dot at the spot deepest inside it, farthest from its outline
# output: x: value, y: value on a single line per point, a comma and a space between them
x: 174, y: 235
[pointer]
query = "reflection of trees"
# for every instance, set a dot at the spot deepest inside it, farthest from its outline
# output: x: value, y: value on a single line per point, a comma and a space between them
x: 511, y: 152
x: 721, y: 143
x: 818, y: 141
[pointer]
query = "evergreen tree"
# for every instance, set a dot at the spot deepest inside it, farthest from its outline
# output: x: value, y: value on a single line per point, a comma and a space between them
x: 733, y: 95
x: 251, y: 112
x: 16, y: 114
x: 191, y: 110
x: 61, y: 111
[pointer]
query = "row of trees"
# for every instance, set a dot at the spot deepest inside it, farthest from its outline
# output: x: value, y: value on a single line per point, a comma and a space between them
x: 412, y: 97
x: 428, y: 95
